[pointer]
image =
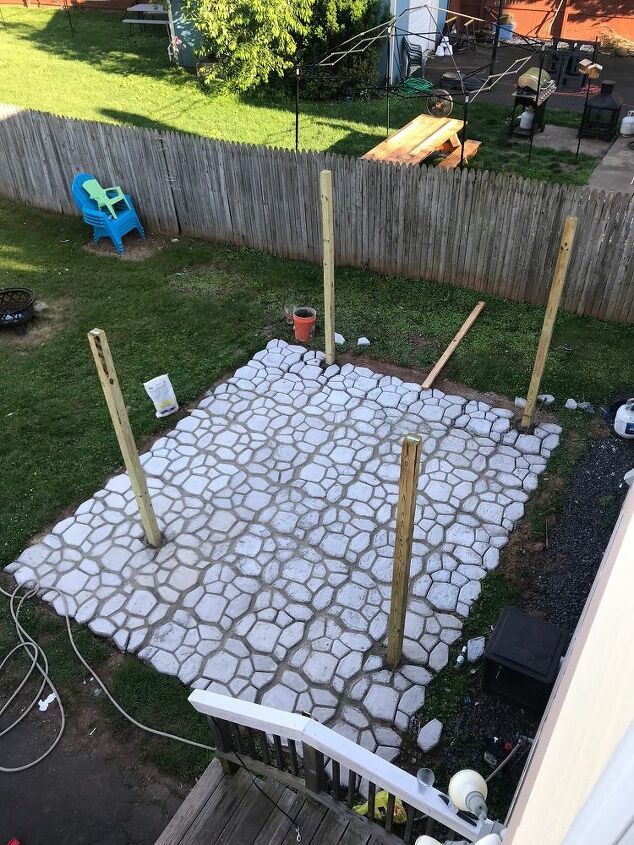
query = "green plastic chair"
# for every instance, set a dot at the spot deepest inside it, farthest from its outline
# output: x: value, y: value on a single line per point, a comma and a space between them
x: 100, y: 196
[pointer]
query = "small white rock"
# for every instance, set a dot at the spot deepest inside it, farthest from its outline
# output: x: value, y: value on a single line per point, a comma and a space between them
x: 546, y: 398
x: 363, y: 341
x: 520, y: 402
x: 429, y: 735
x: 586, y: 406
x: 339, y: 339
x: 571, y: 404
x: 475, y: 649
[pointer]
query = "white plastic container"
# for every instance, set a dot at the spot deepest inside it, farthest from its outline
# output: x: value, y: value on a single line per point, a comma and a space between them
x: 627, y: 124
x: 624, y: 420
x: 161, y: 392
x: 527, y: 119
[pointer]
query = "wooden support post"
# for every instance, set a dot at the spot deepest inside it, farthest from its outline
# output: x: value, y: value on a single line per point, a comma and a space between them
x: 224, y: 744
x: 407, y: 487
x: 449, y: 351
x: 119, y: 415
x: 554, y: 297
x: 314, y: 775
x: 328, y: 236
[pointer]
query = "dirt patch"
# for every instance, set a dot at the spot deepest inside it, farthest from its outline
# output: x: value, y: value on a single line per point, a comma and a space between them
x: 49, y: 319
x: 135, y: 248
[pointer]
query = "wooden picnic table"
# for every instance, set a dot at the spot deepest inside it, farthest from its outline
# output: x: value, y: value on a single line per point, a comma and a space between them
x: 417, y: 140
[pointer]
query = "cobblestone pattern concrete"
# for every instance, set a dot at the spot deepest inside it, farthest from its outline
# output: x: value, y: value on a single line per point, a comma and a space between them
x: 276, y: 498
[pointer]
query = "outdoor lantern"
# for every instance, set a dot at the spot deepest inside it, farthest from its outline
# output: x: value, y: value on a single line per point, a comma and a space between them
x: 601, y: 114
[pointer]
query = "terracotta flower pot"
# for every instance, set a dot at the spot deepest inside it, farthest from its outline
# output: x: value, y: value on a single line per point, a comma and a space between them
x: 304, y: 320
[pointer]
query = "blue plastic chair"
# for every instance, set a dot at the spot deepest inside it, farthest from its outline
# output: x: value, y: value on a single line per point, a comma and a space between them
x: 103, y: 224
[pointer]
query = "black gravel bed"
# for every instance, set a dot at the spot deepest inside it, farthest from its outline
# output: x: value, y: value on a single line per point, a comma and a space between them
x: 563, y: 576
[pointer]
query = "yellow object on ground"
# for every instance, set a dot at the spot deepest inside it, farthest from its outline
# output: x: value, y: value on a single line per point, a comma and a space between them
x: 380, y: 808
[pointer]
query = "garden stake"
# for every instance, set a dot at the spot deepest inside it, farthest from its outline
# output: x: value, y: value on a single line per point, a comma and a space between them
x: 119, y: 415
x: 407, y: 487
x: 554, y: 297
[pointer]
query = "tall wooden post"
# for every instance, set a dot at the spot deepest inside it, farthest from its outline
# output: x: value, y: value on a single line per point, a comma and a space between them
x: 328, y: 235
x: 119, y: 415
x: 407, y: 487
x: 554, y: 298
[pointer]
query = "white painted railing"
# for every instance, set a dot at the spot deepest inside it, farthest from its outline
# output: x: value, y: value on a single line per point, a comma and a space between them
x: 313, y: 735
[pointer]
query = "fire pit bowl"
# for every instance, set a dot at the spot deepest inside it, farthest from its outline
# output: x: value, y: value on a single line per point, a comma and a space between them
x: 16, y: 306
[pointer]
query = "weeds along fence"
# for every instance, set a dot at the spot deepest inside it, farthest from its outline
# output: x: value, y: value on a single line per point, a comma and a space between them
x: 493, y: 233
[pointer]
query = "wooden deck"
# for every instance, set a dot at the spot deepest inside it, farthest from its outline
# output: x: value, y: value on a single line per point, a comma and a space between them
x: 227, y: 809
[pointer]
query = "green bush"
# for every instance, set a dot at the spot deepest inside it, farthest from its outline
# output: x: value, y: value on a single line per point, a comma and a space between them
x: 333, y: 22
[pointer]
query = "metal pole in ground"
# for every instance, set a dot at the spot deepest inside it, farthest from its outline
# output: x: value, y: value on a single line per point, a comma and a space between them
x: 465, y: 114
x: 406, y: 508
x: 537, y: 95
x: 496, y: 37
x: 297, y: 72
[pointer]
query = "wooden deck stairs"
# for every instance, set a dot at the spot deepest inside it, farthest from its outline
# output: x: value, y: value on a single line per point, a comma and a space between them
x: 272, y: 768
x: 225, y: 809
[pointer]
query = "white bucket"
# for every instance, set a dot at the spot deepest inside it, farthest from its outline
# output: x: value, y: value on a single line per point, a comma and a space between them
x: 161, y: 392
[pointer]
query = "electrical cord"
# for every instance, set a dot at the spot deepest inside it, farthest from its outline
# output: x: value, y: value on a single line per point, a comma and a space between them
x: 39, y: 661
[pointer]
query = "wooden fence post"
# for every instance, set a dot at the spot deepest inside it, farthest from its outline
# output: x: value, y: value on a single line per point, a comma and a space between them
x: 328, y: 236
x: 554, y: 298
x: 119, y: 415
x: 407, y: 487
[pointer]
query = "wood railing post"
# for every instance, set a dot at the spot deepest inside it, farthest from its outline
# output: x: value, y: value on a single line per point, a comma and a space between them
x: 224, y: 744
x: 314, y: 775
x: 554, y: 298
x: 328, y: 236
x: 407, y: 487
x: 119, y: 415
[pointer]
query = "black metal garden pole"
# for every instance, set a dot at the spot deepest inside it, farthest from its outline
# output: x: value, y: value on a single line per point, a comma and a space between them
x: 465, y: 114
x: 70, y: 21
x: 297, y: 108
x: 583, y: 116
x: 496, y: 37
x: 539, y: 88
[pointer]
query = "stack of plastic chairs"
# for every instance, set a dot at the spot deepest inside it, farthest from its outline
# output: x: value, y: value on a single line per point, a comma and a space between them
x: 109, y: 211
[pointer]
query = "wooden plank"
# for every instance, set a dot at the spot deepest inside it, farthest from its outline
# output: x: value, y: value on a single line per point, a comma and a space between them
x: 453, y: 159
x: 121, y: 423
x: 449, y: 351
x: 216, y: 815
x: 277, y: 824
x: 198, y: 798
x: 556, y: 290
x: 407, y: 488
x: 308, y: 821
x: 258, y: 805
x: 328, y: 237
x: 331, y: 830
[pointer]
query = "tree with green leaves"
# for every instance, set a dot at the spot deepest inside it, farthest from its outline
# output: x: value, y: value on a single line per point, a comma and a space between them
x: 247, y: 41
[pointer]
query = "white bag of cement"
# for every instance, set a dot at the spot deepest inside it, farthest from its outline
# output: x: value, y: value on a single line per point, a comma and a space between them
x: 161, y: 392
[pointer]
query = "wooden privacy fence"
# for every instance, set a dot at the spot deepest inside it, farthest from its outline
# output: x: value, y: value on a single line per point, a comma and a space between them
x: 492, y: 232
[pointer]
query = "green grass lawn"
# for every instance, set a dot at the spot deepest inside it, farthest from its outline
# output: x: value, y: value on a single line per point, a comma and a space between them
x: 197, y: 310
x: 103, y: 74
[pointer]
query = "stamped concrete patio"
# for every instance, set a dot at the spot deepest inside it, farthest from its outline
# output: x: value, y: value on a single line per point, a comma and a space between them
x: 276, y: 498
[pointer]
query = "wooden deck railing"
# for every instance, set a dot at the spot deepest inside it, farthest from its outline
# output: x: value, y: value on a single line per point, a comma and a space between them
x: 310, y: 757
